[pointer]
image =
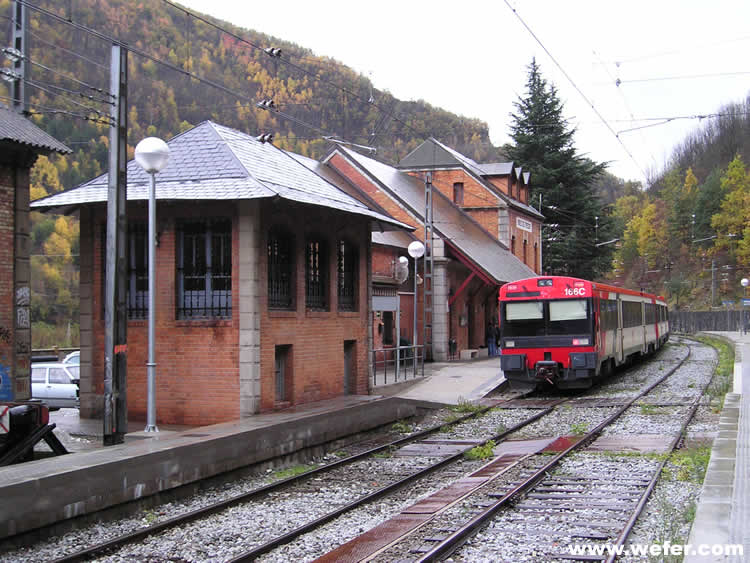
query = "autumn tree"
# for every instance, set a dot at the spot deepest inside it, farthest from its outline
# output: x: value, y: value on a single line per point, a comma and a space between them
x: 575, y: 217
x: 732, y: 222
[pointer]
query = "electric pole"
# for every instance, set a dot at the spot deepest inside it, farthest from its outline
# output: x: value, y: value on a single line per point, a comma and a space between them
x: 115, y: 310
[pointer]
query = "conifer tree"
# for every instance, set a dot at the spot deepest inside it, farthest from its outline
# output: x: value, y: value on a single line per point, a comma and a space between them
x: 575, y: 219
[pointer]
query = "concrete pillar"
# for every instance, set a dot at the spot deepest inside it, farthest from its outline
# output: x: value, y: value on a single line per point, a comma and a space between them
x: 91, y: 404
x: 248, y: 224
x: 440, y: 314
x: 15, y: 290
x: 503, y: 226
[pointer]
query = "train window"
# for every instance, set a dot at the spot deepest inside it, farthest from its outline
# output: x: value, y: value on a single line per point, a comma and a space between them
x: 608, y: 314
x: 568, y: 310
x: 524, y: 310
x: 523, y: 318
x: 632, y: 314
x: 569, y: 316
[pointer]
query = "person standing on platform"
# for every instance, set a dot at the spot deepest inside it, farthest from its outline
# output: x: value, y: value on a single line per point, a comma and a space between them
x: 491, y: 339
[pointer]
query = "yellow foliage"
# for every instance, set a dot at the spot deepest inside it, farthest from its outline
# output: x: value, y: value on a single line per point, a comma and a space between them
x: 37, y: 192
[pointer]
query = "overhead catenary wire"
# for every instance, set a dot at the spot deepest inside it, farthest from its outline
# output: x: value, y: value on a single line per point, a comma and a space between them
x: 157, y: 60
x: 575, y: 86
x: 65, y: 95
x: 51, y: 110
x: 288, y: 62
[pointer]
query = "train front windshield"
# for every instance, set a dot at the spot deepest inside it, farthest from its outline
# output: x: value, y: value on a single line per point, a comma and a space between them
x: 547, y: 318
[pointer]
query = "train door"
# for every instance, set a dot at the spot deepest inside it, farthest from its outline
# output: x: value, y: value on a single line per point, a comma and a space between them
x: 620, y: 346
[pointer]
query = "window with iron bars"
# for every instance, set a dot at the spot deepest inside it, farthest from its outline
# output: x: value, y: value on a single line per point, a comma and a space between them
x: 137, y: 271
x: 204, y: 269
x: 280, y: 270
x: 316, y: 278
x: 348, y: 262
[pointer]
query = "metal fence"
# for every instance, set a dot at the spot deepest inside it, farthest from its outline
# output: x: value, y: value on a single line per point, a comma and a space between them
x: 697, y: 321
x: 397, y: 363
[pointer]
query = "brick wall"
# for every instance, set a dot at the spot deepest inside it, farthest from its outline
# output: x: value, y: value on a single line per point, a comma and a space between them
x: 15, y: 320
x: 7, y: 204
x: 386, y: 202
x: 198, y: 360
x: 533, y: 238
x: 317, y: 338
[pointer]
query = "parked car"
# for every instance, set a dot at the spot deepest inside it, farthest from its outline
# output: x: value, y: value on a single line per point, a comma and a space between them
x: 73, y: 358
x: 56, y: 384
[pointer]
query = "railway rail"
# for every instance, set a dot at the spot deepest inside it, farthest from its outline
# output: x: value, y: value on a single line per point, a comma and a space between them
x: 444, y: 466
x: 112, y: 544
x: 575, y: 504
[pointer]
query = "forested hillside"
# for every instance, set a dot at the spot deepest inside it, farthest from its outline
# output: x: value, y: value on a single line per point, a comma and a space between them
x: 183, y: 70
x: 313, y: 97
x: 688, y: 235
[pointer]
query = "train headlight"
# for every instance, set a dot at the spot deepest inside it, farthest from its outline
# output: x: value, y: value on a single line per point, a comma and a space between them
x: 581, y: 342
x: 510, y: 344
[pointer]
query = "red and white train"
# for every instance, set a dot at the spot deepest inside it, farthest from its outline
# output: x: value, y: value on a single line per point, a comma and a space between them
x: 568, y: 332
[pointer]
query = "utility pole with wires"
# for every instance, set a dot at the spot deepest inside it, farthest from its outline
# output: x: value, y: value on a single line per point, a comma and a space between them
x: 20, y: 26
x: 115, y: 308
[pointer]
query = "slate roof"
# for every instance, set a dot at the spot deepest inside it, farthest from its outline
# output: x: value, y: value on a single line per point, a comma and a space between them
x: 213, y: 162
x: 434, y: 154
x: 16, y: 128
x: 451, y: 223
x: 497, y: 168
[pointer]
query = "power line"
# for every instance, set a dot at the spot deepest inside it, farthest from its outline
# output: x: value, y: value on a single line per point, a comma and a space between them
x: 50, y: 110
x: 45, y: 88
x: 84, y: 84
x: 593, y: 107
x: 156, y: 60
x: 684, y: 77
x: 288, y: 62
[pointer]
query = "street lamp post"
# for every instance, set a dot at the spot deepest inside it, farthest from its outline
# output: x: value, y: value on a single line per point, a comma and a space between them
x: 416, y: 251
x: 152, y: 155
x: 744, y: 282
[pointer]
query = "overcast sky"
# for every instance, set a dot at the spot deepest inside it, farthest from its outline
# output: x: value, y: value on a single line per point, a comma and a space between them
x: 674, y: 59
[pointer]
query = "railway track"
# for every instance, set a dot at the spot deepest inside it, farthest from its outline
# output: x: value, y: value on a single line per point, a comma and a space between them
x: 112, y: 544
x: 334, y: 487
x: 590, y: 500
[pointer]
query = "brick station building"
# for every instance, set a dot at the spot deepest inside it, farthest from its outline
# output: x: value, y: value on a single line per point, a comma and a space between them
x: 471, y: 259
x: 21, y: 142
x: 263, y: 282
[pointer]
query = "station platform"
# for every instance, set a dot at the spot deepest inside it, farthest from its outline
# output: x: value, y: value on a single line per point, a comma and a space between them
x: 723, y: 512
x: 453, y: 382
x: 94, y: 477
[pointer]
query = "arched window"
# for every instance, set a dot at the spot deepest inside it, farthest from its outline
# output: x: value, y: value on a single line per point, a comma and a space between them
x: 280, y: 270
x: 316, y: 274
x: 347, y: 266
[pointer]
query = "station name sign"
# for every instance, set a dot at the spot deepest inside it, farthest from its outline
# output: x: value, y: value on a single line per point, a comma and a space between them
x: 524, y: 225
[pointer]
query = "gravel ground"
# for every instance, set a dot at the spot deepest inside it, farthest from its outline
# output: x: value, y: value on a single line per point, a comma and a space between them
x: 507, y: 537
x: 241, y: 527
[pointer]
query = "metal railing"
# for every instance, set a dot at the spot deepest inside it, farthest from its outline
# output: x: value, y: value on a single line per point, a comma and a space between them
x: 50, y: 354
x: 397, y: 363
x: 697, y: 321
